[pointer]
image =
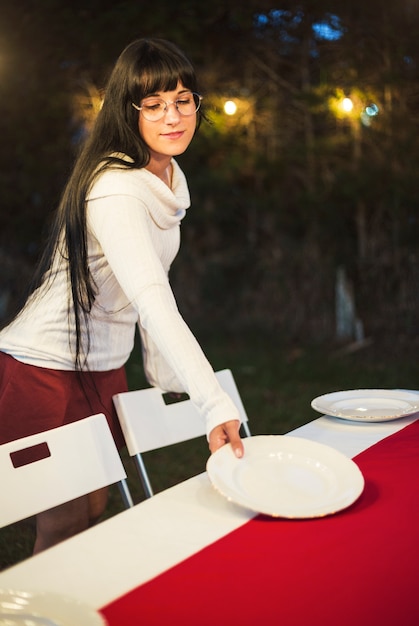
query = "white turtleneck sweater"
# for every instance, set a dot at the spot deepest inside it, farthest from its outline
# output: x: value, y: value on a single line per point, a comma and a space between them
x: 133, y: 236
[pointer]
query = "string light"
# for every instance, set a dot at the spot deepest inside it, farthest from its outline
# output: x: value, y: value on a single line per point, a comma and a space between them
x: 230, y: 107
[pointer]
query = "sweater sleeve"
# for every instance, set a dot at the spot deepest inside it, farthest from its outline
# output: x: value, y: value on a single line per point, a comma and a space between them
x: 121, y: 225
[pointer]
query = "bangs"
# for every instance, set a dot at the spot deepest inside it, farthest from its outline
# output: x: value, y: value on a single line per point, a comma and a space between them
x: 162, y: 72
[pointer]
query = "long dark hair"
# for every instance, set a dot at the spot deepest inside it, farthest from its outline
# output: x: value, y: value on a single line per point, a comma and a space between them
x: 144, y: 67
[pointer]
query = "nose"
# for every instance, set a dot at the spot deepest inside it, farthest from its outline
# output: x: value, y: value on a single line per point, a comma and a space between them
x: 172, y: 114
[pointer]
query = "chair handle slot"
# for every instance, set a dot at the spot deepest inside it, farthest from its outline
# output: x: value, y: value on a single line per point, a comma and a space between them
x: 172, y: 397
x: 29, y: 455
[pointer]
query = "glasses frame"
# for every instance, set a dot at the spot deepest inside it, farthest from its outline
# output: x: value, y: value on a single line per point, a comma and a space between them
x: 167, y: 103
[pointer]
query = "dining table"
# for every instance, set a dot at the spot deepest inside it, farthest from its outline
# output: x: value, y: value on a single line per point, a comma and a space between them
x: 188, y: 556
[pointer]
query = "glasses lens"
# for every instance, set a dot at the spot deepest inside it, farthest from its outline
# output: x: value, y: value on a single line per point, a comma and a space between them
x: 188, y: 104
x: 153, y: 109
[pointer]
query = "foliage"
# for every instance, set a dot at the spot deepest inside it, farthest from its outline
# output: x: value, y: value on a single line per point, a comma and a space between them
x: 284, y: 192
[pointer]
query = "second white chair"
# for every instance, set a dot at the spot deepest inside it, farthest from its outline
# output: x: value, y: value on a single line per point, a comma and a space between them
x: 148, y: 423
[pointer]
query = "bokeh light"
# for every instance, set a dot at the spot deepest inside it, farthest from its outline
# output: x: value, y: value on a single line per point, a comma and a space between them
x: 230, y: 107
x: 347, y: 105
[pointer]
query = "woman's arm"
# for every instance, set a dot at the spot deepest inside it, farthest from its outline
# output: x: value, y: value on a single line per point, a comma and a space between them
x: 121, y: 225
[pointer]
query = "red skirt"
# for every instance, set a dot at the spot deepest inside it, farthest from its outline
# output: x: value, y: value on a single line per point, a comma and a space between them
x: 34, y: 399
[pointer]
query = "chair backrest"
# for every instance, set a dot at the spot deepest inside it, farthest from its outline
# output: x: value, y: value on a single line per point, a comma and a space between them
x: 148, y: 423
x: 73, y: 460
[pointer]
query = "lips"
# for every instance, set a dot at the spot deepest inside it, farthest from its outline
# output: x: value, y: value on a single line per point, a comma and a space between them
x: 174, y: 135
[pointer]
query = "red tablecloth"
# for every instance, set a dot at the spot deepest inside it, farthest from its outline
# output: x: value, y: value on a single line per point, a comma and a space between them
x: 357, y: 568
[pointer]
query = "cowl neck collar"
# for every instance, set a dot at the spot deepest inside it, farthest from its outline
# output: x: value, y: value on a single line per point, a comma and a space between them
x: 170, y: 203
x: 165, y: 205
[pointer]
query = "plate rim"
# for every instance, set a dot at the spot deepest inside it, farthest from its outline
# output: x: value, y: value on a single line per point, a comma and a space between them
x: 37, y: 593
x: 359, y: 480
x: 317, y: 406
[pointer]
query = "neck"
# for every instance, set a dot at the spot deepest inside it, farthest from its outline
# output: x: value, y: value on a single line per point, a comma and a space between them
x: 162, y: 168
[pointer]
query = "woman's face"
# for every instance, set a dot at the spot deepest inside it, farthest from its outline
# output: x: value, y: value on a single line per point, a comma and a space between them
x: 172, y: 134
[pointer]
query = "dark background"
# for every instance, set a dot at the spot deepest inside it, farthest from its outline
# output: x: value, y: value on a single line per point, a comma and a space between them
x: 292, y: 200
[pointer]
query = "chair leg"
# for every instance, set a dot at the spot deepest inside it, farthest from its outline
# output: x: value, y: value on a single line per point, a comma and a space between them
x: 125, y: 493
x: 246, y: 429
x: 142, y: 472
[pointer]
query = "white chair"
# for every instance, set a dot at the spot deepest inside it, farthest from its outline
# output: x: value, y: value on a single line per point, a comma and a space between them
x: 73, y: 460
x: 148, y: 423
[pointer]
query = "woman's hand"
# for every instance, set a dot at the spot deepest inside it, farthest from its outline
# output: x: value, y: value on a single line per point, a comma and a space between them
x: 227, y: 433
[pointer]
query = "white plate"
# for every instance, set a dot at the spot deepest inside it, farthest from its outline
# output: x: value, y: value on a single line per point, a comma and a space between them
x: 285, y: 476
x: 27, y: 608
x: 368, y: 405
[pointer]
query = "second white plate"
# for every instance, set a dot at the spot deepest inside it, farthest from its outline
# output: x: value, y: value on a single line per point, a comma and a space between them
x: 286, y: 476
x: 368, y: 405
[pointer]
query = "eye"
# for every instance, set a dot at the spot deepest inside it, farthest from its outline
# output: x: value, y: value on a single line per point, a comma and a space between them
x: 153, y: 105
x: 185, y: 100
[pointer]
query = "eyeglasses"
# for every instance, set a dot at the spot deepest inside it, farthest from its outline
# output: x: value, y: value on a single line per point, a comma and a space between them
x: 154, y: 108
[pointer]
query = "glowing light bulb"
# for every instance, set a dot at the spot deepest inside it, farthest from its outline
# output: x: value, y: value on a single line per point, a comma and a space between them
x: 347, y: 105
x: 230, y: 107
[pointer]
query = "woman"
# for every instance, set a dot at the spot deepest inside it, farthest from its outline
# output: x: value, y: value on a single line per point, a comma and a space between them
x: 105, y: 269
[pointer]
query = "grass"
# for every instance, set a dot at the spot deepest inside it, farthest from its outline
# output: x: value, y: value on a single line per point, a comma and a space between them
x: 276, y: 383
